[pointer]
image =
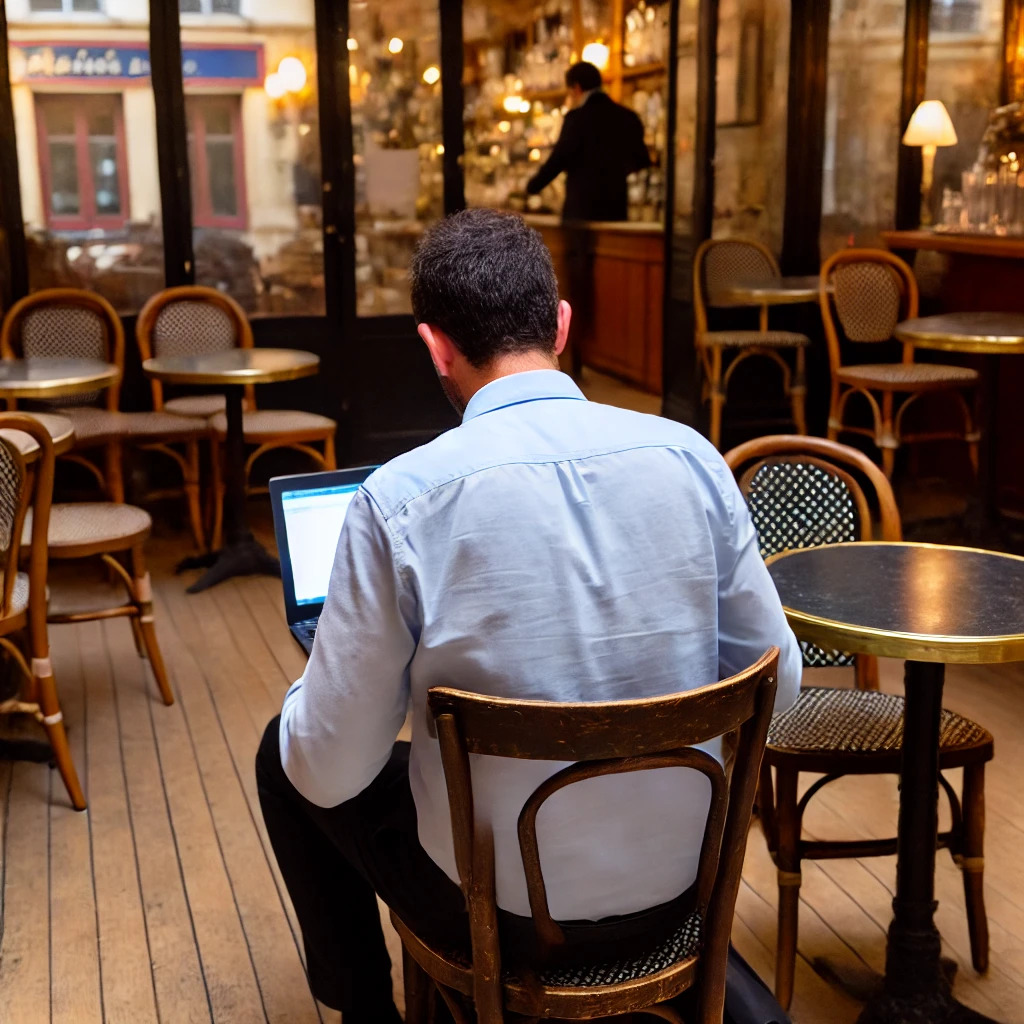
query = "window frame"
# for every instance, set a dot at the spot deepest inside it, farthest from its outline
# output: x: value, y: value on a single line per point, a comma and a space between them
x: 203, y: 215
x: 87, y: 217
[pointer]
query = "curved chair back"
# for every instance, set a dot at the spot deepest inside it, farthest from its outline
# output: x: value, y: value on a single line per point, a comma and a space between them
x: 68, y: 323
x: 872, y: 291
x: 721, y: 262
x: 606, y: 738
x: 803, y: 492
x: 187, y: 321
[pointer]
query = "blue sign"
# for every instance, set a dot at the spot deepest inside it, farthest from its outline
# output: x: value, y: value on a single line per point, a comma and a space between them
x: 237, y: 65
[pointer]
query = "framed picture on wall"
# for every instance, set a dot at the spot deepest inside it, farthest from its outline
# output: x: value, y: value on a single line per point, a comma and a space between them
x: 740, y: 66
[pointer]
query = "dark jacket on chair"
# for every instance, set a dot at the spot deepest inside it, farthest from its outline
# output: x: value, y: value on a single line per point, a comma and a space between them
x: 601, y: 142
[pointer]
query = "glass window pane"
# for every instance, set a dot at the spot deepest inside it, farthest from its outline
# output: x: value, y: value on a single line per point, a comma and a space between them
x: 225, y: 6
x: 255, y: 157
x: 86, y: 5
x: 46, y: 5
x: 190, y: 6
x: 87, y: 157
x: 220, y: 162
x: 63, y: 178
x: 396, y: 123
x: 862, y: 132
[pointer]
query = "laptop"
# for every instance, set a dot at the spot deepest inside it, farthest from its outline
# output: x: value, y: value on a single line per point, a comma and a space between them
x: 309, y: 510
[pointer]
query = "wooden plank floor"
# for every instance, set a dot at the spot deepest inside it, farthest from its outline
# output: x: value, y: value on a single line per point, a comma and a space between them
x: 163, y: 902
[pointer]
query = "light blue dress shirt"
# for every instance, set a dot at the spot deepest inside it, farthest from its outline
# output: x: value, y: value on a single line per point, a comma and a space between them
x: 549, y: 548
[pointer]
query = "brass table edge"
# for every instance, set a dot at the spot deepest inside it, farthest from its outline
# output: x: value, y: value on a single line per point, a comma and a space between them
x: 66, y: 386
x: 772, y: 559
x: 232, y: 377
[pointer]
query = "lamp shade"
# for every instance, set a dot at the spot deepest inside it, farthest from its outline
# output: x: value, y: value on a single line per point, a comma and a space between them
x: 930, y: 126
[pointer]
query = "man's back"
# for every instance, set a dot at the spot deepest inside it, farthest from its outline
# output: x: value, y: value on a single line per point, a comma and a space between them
x: 551, y: 549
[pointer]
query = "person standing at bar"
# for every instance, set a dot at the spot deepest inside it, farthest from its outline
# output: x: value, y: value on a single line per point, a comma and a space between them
x: 600, y: 145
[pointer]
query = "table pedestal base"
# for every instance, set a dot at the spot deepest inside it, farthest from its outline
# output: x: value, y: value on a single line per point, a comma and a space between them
x: 934, y: 1008
x: 243, y: 557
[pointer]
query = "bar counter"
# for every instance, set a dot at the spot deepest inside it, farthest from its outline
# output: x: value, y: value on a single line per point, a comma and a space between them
x: 983, y: 273
x: 622, y: 336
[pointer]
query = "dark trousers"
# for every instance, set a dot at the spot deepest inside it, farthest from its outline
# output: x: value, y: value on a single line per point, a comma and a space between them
x: 335, y: 861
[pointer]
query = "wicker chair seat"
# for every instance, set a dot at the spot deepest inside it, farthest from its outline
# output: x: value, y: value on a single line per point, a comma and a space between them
x: 95, y: 426
x: 908, y: 376
x: 857, y: 722
x: 195, y: 405
x: 19, y: 595
x: 260, y: 424
x: 754, y: 339
x: 98, y: 525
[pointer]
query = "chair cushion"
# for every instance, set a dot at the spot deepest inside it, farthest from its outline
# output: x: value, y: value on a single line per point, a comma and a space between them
x: 90, y: 522
x: 682, y: 944
x: 909, y: 375
x: 858, y: 721
x: 93, y: 425
x: 195, y: 405
x: 750, y: 339
x: 275, y: 422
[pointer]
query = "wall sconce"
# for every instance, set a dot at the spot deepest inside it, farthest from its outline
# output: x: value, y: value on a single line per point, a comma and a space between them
x: 930, y: 127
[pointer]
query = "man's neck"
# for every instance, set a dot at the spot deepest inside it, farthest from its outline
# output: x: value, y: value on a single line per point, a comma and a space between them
x: 505, y: 366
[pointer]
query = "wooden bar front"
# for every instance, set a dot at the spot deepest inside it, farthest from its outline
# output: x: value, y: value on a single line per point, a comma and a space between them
x: 983, y: 272
x: 622, y: 335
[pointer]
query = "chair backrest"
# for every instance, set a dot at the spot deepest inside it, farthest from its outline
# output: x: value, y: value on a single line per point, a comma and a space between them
x: 69, y: 323
x: 721, y: 262
x: 25, y: 485
x: 871, y: 292
x: 605, y: 738
x: 187, y: 321
x: 802, y: 492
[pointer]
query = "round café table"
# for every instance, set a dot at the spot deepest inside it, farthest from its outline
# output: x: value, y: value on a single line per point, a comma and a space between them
x: 931, y: 606
x: 230, y: 372
x: 989, y: 335
x: 54, y: 378
x: 780, y: 291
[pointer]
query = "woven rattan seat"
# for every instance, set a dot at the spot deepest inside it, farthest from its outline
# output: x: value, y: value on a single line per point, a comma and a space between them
x: 912, y: 376
x: 859, y: 722
x: 260, y: 423
x: 19, y: 595
x: 106, y: 524
x: 195, y: 405
x: 100, y: 425
x: 751, y: 339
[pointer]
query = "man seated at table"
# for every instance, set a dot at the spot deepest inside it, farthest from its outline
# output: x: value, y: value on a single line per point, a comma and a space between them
x: 549, y: 548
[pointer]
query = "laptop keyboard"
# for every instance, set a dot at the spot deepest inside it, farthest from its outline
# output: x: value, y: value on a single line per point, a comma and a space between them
x: 307, y: 628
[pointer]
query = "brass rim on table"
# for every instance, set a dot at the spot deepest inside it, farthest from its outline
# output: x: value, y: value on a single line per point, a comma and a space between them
x: 182, y: 369
x: 837, y: 635
x: 939, y: 332
x: 50, y: 387
x: 771, y: 293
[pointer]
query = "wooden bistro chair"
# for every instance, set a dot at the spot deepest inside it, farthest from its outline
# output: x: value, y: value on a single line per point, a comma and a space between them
x: 718, y: 264
x: 194, y: 320
x: 603, y: 739
x: 803, y: 492
x: 872, y: 291
x: 26, y: 490
x: 73, y: 323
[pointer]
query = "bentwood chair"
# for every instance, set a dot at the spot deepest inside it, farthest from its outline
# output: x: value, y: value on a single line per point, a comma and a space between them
x: 195, y: 320
x: 803, y: 492
x: 864, y: 294
x: 602, y: 739
x: 719, y: 264
x: 70, y: 322
x: 26, y: 490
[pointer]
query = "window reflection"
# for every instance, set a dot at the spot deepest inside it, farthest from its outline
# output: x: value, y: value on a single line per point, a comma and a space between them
x: 394, y: 55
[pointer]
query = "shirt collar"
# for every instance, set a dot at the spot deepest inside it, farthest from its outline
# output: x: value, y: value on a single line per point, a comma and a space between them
x: 516, y: 388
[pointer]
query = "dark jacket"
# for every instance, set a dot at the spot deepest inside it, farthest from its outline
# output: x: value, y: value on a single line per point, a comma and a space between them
x: 601, y: 142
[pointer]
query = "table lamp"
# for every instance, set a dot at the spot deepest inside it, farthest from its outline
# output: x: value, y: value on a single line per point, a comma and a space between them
x: 929, y: 128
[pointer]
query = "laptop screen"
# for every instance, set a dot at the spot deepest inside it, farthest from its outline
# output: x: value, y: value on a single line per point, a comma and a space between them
x: 313, y: 520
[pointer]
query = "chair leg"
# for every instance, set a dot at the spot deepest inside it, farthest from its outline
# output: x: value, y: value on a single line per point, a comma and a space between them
x: 330, y: 458
x: 140, y: 643
x: 53, y: 721
x: 972, y: 863
x: 865, y: 669
x: 114, y: 458
x: 798, y: 393
x: 217, y: 490
x: 717, y: 398
x: 191, y: 485
x: 144, y: 599
x: 833, y: 413
x: 887, y: 440
x: 787, y: 860
x: 418, y: 991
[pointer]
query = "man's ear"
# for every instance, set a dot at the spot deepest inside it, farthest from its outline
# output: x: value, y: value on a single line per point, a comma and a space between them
x: 442, y: 349
x: 564, y: 319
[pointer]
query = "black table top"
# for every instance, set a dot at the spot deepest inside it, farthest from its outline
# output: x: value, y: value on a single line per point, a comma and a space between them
x: 918, y: 601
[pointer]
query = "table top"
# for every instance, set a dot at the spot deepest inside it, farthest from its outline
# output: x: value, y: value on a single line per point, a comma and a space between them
x: 235, y: 366
x: 60, y: 428
x: 985, y: 333
x: 779, y: 292
x: 923, y: 602
x: 49, y: 378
